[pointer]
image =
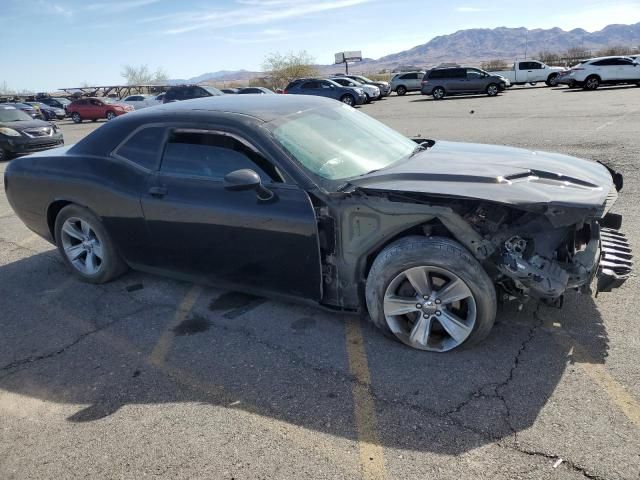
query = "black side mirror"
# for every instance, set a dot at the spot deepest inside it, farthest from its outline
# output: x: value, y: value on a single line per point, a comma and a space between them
x: 247, y: 179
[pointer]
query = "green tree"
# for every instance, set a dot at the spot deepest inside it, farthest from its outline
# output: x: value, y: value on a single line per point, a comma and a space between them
x: 282, y: 68
x: 142, y: 75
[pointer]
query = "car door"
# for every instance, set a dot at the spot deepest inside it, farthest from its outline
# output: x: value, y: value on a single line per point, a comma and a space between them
x: 311, y: 87
x: 456, y: 80
x: 201, y: 229
x: 96, y: 109
x: 475, y: 80
x: 605, y: 69
x: 535, y: 72
x: 627, y: 69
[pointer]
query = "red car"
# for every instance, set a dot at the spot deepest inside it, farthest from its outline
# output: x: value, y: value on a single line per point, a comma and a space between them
x: 92, y: 108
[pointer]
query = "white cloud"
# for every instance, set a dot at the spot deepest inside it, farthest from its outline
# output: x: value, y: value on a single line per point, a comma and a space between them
x: 248, y: 12
x: 473, y: 9
x: 116, y: 7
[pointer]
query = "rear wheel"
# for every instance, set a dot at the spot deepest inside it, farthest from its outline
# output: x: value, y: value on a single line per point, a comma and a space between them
x: 591, y: 83
x: 401, y: 90
x: 75, y: 116
x: 86, y: 247
x: 4, y: 155
x: 552, y: 80
x: 492, y: 90
x: 430, y: 294
x: 438, y: 93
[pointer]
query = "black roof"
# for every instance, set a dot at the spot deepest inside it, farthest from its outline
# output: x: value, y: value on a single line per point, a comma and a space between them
x: 262, y: 107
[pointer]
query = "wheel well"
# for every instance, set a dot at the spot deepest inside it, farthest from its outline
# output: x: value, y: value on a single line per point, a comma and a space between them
x: 52, y: 214
x: 429, y: 229
x: 398, y: 86
x: 593, y: 75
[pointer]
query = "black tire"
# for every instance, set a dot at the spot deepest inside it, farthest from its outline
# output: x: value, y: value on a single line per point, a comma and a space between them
x: 367, y: 98
x: 401, y: 90
x: 110, y: 115
x: 75, y: 116
x: 348, y: 99
x: 533, y: 84
x: 441, y: 253
x: 492, y: 89
x: 4, y: 155
x: 592, y: 82
x: 438, y: 93
x: 111, y: 266
x: 552, y: 80
x: 94, y: 120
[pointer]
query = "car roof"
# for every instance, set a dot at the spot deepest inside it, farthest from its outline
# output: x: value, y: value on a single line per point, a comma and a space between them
x: 606, y: 58
x: 262, y: 107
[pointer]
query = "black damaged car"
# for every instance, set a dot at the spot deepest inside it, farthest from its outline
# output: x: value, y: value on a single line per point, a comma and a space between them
x: 303, y: 197
x: 19, y: 133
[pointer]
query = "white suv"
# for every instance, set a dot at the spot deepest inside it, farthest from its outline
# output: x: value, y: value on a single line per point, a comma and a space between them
x: 592, y: 73
x: 407, y: 82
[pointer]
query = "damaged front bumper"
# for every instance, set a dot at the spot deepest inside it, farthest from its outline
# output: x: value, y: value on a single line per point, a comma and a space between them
x: 615, y: 264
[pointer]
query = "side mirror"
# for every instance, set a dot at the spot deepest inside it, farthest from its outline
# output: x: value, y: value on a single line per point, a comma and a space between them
x: 247, y: 179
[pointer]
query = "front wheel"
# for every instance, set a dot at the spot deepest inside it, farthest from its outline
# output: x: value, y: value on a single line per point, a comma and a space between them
x: 348, y: 99
x: 492, y: 90
x: 367, y: 98
x: 401, y: 90
x: 438, y: 93
x: 75, y: 116
x: 111, y: 115
x: 591, y: 83
x: 430, y: 294
x: 86, y: 247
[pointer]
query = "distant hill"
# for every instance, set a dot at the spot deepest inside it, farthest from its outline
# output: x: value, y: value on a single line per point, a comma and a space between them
x: 472, y: 45
x: 509, y: 43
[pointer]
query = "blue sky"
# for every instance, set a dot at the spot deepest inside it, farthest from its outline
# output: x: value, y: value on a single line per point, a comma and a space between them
x: 62, y: 43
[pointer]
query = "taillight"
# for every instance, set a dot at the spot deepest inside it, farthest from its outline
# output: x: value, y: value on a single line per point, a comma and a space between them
x: 285, y: 91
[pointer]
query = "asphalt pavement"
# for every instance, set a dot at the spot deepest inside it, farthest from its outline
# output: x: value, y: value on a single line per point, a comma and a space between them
x: 151, y: 377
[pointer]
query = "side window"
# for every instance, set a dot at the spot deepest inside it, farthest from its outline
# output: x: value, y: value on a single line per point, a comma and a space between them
x: 524, y: 66
x: 535, y: 66
x: 211, y: 155
x: 309, y: 85
x: 325, y: 85
x: 473, y: 74
x: 143, y: 147
x: 96, y: 102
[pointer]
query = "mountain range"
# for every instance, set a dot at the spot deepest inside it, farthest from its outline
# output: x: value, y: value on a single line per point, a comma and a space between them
x: 474, y: 45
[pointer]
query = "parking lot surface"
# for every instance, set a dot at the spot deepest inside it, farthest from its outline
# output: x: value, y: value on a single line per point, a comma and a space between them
x: 151, y: 377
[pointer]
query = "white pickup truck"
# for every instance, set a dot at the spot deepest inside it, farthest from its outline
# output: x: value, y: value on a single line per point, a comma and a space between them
x: 531, y: 71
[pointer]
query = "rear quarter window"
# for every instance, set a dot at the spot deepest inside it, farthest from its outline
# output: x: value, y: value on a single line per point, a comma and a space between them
x: 143, y: 147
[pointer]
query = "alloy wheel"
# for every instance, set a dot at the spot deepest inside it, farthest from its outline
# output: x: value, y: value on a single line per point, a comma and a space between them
x: 429, y: 308
x: 82, y: 246
x: 492, y: 90
x: 348, y: 99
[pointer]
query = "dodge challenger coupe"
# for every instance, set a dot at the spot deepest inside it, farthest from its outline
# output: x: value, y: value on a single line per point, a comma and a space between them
x: 303, y: 197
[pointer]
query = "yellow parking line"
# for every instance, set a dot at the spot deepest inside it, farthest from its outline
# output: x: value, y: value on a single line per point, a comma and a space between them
x: 371, y: 452
x: 161, y: 349
x: 629, y: 406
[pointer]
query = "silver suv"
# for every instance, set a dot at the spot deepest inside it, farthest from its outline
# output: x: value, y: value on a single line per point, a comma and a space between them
x: 440, y: 82
x: 406, y: 82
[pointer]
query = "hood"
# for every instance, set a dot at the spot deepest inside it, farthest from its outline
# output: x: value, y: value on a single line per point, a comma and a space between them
x: 498, y: 174
x: 24, y: 124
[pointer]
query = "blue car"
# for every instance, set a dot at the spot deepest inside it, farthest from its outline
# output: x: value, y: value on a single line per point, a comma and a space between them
x: 327, y: 88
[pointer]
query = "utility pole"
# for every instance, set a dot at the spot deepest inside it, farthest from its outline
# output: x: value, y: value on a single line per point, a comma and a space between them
x: 526, y: 42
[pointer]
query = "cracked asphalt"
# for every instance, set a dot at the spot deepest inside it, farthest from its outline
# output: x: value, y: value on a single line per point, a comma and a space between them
x: 151, y: 377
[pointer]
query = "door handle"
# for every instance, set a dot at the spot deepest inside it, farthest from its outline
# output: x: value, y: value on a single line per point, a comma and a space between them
x: 158, y: 192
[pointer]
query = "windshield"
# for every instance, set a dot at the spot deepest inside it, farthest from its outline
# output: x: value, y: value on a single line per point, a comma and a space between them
x: 213, y: 91
x: 340, y: 142
x: 364, y: 80
x: 13, y: 115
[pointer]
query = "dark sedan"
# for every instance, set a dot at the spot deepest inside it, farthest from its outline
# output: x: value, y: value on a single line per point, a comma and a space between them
x: 28, y: 109
x: 19, y: 133
x: 305, y: 198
